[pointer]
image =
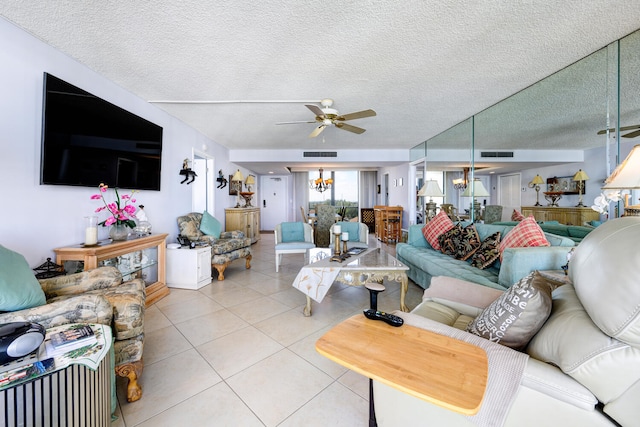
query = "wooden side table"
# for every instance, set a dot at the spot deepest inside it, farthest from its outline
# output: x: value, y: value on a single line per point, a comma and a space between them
x: 444, y: 371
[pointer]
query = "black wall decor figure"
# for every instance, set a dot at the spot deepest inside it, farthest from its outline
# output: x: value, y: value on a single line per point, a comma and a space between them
x: 187, y: 172
x: 221, y: 179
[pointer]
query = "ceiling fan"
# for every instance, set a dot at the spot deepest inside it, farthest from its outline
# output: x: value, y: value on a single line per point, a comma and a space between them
x: 622, y: 129
x: 327, y: 116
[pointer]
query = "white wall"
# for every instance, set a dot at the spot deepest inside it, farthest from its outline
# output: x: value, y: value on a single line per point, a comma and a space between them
x: 400, y: 195
x: 36, y: 218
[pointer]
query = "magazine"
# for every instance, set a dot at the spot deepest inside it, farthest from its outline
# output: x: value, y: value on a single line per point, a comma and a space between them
x: 71, y: 338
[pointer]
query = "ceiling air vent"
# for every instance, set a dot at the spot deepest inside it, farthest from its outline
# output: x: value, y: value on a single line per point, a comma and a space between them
x: 320, y: 154
x: 496, y: 154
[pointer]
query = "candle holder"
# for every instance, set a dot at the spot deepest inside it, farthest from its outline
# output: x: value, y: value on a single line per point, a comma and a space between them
x: 336, y: 250
x: 90, y: 230
x: 345, y: 239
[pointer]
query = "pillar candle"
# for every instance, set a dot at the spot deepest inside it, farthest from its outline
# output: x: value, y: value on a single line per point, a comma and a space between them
x: 91, y: 230
x: 345, y: 236
x: 337, y: 229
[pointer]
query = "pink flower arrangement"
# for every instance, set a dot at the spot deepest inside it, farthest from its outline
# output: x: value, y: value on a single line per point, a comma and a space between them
x: 120, y: 214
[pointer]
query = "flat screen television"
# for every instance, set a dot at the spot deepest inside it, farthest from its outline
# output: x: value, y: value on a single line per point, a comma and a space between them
x: 87, y: 141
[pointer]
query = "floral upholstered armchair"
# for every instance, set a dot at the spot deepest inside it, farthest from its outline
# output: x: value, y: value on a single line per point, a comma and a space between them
x: 226, y: 246
x: 96, y: 296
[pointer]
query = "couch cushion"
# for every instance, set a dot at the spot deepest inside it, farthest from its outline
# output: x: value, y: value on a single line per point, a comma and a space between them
x: 441, y: 223
x: 292, y: 232
x: 488, y: 253
x: 19, y: 288
x: 210, y: 226
x: 515, y: 317
x: 527, y: 233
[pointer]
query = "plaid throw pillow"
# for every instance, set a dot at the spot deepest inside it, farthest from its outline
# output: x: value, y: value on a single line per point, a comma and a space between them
x: 526, y: 233
x: 517, y: 215
x: 441, y: 223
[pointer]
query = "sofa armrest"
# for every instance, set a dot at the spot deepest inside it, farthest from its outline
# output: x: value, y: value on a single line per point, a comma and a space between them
x: 236, y: 234
x: 449, y: 289
x: 518, y: 262
x: 77, y: 309
x: 79, y: 283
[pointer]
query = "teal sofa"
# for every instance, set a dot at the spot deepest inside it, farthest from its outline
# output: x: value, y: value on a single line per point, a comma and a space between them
x: 573, y: 232
x: 424, y: 262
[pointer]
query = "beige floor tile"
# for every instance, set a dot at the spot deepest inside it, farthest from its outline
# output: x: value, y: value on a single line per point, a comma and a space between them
x: 272, y: 285
x: 200, y: 330
x: 154, y: 319
x: 258, y: 310
x: 163, y: 343
x: 356, y: 382
x: 238, y: 350
x: 217, y: 286
x: 336, y: 406
x: 236, y: 296
x: 167, y: 383
x: 278, y: 386
x: 291, y: 297
x: 196, y: 307
x: 291, y: 326
x: 177, y: 296
x: 306, y: 348
x: 217, y: 406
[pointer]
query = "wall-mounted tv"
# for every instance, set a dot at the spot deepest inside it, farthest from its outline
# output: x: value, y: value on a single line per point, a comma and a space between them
x: 87, y: 141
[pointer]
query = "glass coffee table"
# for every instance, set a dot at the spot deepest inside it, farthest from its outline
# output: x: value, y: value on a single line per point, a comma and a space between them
x: 373, y: 265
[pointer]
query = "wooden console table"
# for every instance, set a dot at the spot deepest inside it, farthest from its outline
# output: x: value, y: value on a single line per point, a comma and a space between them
x: 568, y: 216
x: 106, y: 249
x: 436, y: 368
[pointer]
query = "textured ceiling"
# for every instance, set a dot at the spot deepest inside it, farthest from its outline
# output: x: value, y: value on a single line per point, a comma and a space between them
x: 422, y: 65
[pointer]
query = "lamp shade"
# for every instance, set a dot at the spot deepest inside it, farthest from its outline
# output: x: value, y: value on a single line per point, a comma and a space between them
x: 627, y: 174
x: 580, y: 176
x: 250, y: 180
x: 430, y: 189
x: 476, y: 189
x: 237, y: 176
x: 537, y: 180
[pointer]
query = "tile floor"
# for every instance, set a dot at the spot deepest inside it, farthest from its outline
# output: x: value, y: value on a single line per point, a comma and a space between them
x: 240, y: 353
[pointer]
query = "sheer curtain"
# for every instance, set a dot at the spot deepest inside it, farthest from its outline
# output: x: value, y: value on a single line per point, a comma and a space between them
x: 300, y: 193
x: 368, y: 188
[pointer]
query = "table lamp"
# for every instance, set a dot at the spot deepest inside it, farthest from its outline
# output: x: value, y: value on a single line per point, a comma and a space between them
x: 237, y: 179
x: 476, y: 189
x: 430, y: 189
x: 535, y: 183
x: 626, y: 177
x: 580, y: 177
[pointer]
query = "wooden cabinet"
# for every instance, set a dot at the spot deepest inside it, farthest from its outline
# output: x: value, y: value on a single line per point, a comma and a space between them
x: 189, y: 268
x: 244, y: 219
x: 388, y: 223
x: 138, y: 257
x: 568, y: 216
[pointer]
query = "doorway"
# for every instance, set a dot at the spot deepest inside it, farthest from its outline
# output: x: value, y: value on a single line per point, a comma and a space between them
x: 274, y: 201
x: 202, y: 187
x: 509, y: 193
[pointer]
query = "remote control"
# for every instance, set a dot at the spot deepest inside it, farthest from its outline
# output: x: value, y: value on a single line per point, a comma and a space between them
x: 390, y: 319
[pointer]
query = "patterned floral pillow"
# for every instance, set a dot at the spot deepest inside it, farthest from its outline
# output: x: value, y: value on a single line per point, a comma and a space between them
x: 448, y: 241
x: 517, y: 215
x: 526, y: 233
x: 441, y: 223
x: 488, y: 253
x: 468, y: 244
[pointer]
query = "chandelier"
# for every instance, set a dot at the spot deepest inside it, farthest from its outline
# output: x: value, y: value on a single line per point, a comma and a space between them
x: 320, y: 184
x: 461, y: 183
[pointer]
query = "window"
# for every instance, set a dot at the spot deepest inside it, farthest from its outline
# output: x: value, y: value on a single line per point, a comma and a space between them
x: 343, y: 193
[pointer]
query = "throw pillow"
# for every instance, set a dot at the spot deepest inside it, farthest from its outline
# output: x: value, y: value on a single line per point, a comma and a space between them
x: 488, y: 253
x: 353, y: 228
x: 19, y: 288
x: 517, y: 215
x: 441, y: 223
x: 468, y: 243
x: 448, y: 240
x: 526, y: 233
x: 210, y: 226
x: 518, y: 314
x: 292, y: 232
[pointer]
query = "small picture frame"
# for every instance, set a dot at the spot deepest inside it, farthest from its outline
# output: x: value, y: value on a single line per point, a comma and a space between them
x: 234, y: 186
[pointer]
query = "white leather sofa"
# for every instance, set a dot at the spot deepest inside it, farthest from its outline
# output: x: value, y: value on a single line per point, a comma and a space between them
x: 583, y: 366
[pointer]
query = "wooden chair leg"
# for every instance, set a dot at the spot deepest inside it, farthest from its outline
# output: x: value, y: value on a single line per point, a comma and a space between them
x: 132, y: 372
x: 247, y: 262
x: 221, y: 268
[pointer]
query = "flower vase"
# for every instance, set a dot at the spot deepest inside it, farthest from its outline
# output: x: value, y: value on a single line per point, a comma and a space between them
x: 118, y: 232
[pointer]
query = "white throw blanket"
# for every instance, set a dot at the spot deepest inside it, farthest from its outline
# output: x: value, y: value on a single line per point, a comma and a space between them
x: 506, y: 367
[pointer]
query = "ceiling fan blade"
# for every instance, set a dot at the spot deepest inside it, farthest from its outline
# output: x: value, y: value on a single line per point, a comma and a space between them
x: 317, y: 131
x: 631, y: 134
x: 315, y: 110
x: 293, y: 123
x: 350, y: 128
x: 356, y: 115
x: 602, y: 132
